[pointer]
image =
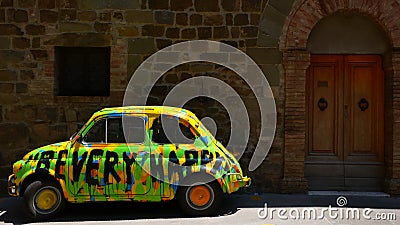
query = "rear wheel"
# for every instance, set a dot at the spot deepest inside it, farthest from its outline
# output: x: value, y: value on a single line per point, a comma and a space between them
x: 43, y: 199
x: 200, y: 198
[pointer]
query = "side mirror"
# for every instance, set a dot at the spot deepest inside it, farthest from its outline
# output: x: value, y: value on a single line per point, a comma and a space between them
x: 75, y: 138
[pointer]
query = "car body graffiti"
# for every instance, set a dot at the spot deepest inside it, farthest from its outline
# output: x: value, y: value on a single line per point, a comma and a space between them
x: 98, y: 164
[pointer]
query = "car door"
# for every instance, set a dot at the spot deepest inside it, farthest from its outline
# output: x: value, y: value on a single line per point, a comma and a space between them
x: 135, y: 158
x: 104, y: 166
x: 173, y: 146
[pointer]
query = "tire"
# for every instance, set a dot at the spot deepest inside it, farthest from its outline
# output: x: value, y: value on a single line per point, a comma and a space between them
x: 43, y: 200
x: 200, y: 198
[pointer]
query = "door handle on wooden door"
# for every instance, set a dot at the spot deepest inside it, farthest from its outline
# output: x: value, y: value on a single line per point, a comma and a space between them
x: 346, y: 111
x: 363, y: 104
x: 322, y: 104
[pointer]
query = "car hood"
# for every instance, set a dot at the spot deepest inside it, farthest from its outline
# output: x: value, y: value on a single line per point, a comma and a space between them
x: 56, y: 147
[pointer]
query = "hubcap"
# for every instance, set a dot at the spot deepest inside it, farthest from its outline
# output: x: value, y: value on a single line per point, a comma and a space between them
x: 200, y: 195
x: 46, y: 200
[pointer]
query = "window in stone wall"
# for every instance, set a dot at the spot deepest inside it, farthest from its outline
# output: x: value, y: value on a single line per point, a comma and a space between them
x: 82, y: 71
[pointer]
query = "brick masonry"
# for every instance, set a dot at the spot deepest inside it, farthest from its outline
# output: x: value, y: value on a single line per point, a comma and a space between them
x: 304, y: 15
x: 273, y: 34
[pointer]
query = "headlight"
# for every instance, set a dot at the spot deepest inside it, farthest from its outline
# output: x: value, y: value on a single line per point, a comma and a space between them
x: 12, y: 179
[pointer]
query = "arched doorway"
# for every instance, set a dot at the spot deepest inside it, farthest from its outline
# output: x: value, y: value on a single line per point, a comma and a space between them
x: 345, y: 97
x: 301, y: 18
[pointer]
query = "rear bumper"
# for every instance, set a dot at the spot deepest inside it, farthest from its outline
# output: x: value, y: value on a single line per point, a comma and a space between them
x: 247, y: 181
x: 12, y: 186
x: 235, y: 181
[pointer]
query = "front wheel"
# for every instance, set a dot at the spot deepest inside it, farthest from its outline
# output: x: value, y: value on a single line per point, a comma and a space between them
x: 200, y: 199
x: 43, y: 199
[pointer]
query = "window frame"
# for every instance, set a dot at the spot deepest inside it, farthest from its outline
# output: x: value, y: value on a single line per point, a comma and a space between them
x: 196, y: 135
x: 100, y: 118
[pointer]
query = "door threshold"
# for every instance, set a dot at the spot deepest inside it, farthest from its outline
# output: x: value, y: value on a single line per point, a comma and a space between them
x: 349, y: 193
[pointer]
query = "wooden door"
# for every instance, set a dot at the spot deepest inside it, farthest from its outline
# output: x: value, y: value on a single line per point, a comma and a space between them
x: 345, y: 123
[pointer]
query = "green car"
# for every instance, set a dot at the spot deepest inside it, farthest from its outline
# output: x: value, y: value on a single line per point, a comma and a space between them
x: 138, y: 153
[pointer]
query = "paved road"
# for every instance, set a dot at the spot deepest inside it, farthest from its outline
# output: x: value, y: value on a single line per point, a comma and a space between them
x: 237, y: 209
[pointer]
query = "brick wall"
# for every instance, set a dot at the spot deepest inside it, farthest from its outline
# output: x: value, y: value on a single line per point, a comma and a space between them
x: 293, y: 42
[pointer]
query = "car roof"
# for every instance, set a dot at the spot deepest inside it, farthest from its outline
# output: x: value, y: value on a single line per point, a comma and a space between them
x: 164, y: 110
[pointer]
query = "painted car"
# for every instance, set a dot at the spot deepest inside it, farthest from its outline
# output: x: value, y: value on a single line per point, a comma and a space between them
x: 130, y: 153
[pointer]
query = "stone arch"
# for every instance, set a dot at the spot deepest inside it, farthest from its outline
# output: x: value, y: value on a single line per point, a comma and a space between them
x: 306, y: 14
x: 285, y: 26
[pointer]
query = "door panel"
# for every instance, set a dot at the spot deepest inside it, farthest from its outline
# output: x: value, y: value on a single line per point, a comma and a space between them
x: 324, y: 108
x: 360, y: 137
x: 345, y: 137
x: 364, y: 126
x: 324, y: 132
x: 363, y: 145
x: 324, y: 161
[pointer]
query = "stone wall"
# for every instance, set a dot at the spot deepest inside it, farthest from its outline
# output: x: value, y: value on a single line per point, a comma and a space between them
x: 273, y: 32
x: 32, y: 115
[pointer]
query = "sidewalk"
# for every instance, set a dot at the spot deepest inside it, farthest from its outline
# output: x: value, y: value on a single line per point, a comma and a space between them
x: 306, y: 200
x: 236, y: 209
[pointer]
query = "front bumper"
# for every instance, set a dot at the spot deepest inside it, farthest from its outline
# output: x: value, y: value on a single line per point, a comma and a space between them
x: 12, y: 186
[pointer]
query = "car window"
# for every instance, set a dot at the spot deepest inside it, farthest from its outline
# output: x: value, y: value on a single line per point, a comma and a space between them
x: 170, y: 130
x: 115, y: 133
x: 97, y: 133
x: 135, y: 129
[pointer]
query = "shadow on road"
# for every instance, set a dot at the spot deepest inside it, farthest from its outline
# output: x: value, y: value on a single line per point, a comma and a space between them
x: 100, y: 211
x: 231, y: 204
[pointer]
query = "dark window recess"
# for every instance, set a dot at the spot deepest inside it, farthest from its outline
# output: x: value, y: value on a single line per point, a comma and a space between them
x: 82, y: 71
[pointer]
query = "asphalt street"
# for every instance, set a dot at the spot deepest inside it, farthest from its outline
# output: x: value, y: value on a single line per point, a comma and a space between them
x: 236, y: 209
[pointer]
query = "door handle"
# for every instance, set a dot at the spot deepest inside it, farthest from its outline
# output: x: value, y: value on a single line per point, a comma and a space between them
x: 322, y: 104
x: 363, y: 104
